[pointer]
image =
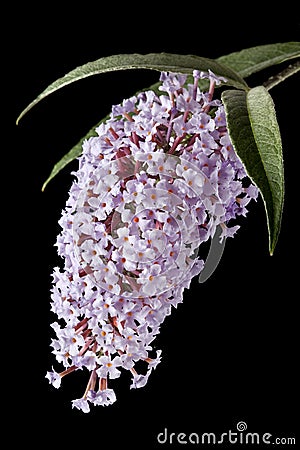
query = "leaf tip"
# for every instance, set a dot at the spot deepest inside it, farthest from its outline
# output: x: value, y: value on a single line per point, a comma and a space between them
x: 44, y: 186
x: 20, y: 116
x: 272, y: 248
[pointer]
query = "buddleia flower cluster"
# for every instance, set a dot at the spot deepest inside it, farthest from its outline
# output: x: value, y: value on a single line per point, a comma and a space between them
x: 153, y: 185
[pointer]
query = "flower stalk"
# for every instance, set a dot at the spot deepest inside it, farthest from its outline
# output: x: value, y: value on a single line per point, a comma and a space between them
x: 151, y: 187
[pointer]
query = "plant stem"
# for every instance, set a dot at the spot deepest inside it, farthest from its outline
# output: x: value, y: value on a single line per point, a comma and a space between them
x: 281, y: 76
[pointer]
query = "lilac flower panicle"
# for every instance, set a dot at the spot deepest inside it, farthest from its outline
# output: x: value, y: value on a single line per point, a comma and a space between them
x: 155, y: 183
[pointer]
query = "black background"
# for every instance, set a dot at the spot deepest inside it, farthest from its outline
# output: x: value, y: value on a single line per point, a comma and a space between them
x: 229, y: 351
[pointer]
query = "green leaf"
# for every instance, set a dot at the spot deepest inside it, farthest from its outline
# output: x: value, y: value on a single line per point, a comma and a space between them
x: 152, y: 61
x: 74, y: 153
x: 254, y: 131
x: 253, y: 59
x: 245, y: 62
